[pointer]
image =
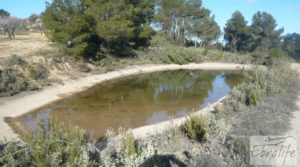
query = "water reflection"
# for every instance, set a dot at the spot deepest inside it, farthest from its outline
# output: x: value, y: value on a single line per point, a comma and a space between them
x: 138, y: 100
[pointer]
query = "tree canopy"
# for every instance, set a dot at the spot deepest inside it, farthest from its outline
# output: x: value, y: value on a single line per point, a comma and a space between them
x: 182, y: 19
x: 67, y: 23
x: 122, y: 24
x: 291, y: 44
x: 95, y: 28
x: 264, y: 33
x: 236, y: 32
x: 261, y: 35
x: 4, y: 13
x: 89, y: 27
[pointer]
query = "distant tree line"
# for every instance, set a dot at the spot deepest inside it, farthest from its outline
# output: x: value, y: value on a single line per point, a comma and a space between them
x: 261, y: 35
x: 95, y: 28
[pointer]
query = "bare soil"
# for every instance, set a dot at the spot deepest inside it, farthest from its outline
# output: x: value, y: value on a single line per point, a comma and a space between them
x: 24, y: 45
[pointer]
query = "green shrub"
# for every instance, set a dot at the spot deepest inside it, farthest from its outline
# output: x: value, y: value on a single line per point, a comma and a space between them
x: 15, y: 60
x: 205, y: 51
x: 196, y: 128
x: 14, y: 154
x: 12, y: 82
x: 218, y: 128
x: 37, y: 72
x: 263, y: 82
x: 55, y: 144
x: 128, y: 143
x: 276, y: 53
x: 159, y: 40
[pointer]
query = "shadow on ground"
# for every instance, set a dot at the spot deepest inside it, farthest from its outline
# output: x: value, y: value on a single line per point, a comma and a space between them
x: 163, y: 161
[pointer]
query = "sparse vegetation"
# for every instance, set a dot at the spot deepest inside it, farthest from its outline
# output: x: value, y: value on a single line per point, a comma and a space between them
x: 12, y: 82
x: 128, y: 143
x: 15, y: 60
x: 37, y: 72
x: 53, y: 144
x: 115, y: 34
x: 263, y: 82
x: 196, y: 128
x: 219, y: 108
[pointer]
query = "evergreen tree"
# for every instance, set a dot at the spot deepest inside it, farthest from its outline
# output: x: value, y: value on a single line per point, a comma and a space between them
x: 122, y: 24
x: 181, y: 19
x: 291, y: 44
x: 264, y: 33
x: 4, y: 13
x: 92, y: 28
x: 67, y: 23
x: 236, y: 33
x: 204, y: 28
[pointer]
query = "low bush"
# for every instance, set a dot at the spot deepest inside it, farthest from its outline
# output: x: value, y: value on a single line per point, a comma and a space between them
x: 53, y: 144
x: 196, y: 128
x: 205, y: 51
x: 123, y: 150
x: 12, y: 82
x: 37, y: 72
x: 219, y: 108
x: 249, y: 94
x: 263, y: 82
x: 261, y: 58
x: 218, y: 128
x: 14, y: 154
x: 15, y: 60
x: 128, y: 143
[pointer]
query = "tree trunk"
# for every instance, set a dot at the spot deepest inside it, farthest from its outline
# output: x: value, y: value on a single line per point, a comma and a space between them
x: 183, y: 31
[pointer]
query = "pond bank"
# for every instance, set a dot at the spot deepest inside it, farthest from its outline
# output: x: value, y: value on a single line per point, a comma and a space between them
x: 21, y: 104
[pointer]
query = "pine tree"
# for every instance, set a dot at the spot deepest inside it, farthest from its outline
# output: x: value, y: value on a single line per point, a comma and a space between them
x: 291, y: 44
x: 68, y: 24
x: 264, y: 33
x: 93, y: 28
x: 181, y: 19
x: 236, y: 33
x: 204, y: 27
x: 122, y: 24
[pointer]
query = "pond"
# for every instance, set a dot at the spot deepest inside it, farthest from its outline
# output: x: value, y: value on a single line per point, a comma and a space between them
x: 138, y: 100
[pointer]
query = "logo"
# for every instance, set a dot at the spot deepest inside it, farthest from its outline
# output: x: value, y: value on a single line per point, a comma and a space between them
x: 273, y: 150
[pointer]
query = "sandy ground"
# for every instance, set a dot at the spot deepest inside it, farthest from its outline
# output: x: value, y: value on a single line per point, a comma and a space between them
x: 295, y: 121
x: 23, y: 45
x: 23, y: 103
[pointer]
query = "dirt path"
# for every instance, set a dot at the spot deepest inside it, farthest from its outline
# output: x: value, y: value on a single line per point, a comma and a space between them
x: 295, y: 121
x: 24, y: 45
x: 21, y: 104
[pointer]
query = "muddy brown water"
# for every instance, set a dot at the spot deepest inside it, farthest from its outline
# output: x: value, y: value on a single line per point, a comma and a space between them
x: 138, y: 100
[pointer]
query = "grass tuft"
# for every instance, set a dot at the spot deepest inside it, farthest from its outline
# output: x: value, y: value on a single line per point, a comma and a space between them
x: 196, y: 128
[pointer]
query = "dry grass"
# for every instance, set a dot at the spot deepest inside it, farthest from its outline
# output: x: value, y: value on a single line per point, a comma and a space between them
x: 24, y: 45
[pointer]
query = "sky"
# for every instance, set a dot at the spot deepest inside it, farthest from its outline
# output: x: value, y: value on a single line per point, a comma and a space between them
x: 286, y: 12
